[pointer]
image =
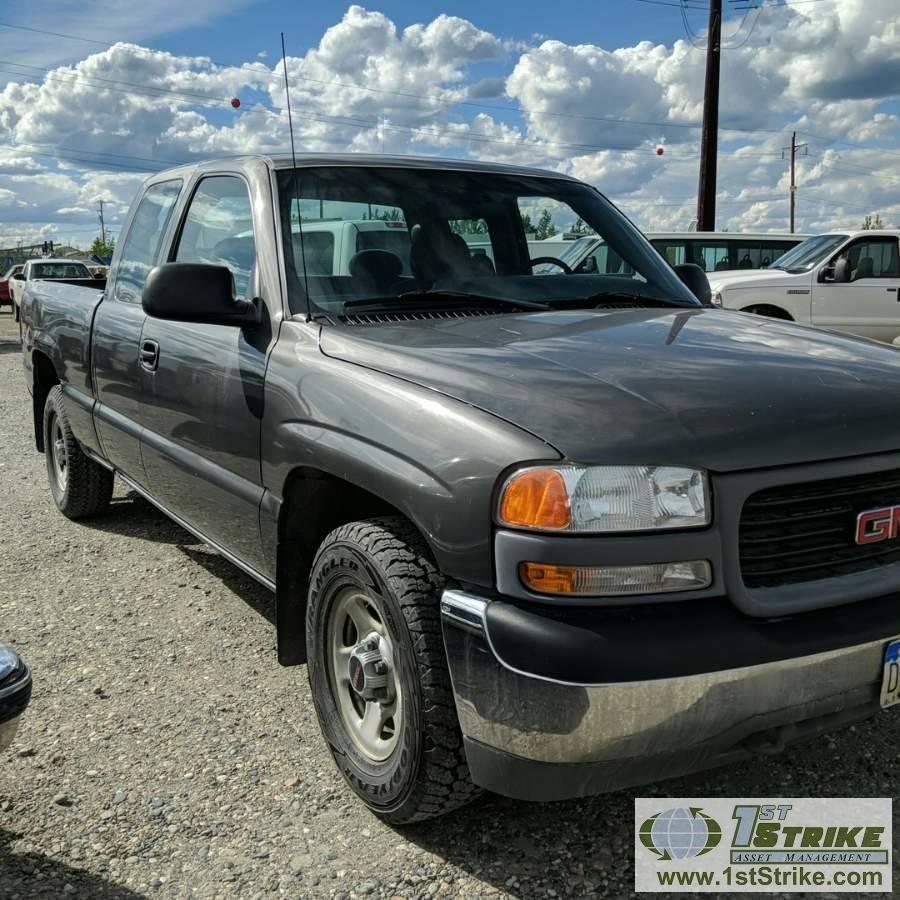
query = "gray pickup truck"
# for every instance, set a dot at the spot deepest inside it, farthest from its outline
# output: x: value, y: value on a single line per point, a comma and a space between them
x: 547, y: 534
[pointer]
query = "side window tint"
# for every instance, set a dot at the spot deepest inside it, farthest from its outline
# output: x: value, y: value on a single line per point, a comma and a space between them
x: 141, y: 247
x: 873, y: 259
x: 218, y: 229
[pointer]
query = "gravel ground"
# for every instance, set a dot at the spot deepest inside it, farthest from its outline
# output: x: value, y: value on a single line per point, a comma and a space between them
x: 166, y: 754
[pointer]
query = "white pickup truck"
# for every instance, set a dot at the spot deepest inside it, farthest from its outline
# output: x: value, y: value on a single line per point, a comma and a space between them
x: 46, y: 269
x: 844, y: 282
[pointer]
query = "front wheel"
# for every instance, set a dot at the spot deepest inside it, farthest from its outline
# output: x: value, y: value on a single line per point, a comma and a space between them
x: 80, y: 486
x: 378, y: 672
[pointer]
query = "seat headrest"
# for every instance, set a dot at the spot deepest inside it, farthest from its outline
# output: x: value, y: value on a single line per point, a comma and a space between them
x: 376, y: 265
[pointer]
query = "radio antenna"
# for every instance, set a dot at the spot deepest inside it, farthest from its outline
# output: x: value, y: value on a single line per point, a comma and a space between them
x: 296, y: 178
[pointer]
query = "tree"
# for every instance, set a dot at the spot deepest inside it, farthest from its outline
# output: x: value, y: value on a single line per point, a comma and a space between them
x: 545, y: 227
x: 872, y: 222
x: 581, y: 227
x: 527, y: 224
x: 469, y: 226
x: 99, y: 248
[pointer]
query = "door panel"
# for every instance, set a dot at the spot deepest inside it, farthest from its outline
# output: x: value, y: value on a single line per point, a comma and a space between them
x: 202, y: 412
x: 203, y: 402
x: 868, y: 304
x: 117, y: 381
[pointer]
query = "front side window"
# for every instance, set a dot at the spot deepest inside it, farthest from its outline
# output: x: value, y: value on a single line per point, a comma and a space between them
x: 218, y: 229
x: 873, y: 258
x: 363, y: 235
x: 141, y: 248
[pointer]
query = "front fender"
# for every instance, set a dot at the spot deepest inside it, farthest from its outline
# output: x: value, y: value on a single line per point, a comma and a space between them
x: 434, y: 458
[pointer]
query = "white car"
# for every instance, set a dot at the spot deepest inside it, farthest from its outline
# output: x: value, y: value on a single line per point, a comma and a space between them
x: 845, y: 282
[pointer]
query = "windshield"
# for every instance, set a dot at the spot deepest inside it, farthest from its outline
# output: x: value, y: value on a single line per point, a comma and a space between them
x: 423, y: 235
x: 809, y: 253
x: 59, y: 270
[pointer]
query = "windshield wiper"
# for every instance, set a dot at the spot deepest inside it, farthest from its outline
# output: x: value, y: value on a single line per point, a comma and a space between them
x: 410, y: 297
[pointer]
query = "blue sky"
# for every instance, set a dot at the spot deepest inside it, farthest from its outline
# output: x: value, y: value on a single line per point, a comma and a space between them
x: 612, y: 23
x: 588, y: 89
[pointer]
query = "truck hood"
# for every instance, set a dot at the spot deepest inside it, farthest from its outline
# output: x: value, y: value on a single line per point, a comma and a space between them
x: 755, y: 278
x: 704, y: 387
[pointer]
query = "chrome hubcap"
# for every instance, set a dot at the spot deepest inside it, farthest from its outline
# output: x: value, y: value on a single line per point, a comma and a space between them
x: 362, y: 674
x: 59, y: 455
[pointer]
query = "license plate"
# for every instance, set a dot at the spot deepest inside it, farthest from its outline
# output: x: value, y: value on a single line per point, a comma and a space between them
x: 890, y: 679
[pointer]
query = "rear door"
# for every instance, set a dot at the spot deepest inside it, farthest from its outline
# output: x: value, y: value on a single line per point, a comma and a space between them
x: 203, y: 398
x: 116, y: 333
x: 867, y: 304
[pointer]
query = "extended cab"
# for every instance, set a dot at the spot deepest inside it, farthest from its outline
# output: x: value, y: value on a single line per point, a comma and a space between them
x: 543, y: 534
x: 846, y: 282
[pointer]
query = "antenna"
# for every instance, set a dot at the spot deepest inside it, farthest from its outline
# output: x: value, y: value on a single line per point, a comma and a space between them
x: 296, y: 178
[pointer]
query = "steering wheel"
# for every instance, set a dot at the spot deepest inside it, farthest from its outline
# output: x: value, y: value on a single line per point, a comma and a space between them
x: 553, y: 261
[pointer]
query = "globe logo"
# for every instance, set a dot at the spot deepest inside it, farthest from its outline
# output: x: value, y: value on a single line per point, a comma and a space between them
x: 680, y: 833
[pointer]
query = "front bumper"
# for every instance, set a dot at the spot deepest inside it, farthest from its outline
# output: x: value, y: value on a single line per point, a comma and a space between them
x: 542, y: 737
x: 15, y: 694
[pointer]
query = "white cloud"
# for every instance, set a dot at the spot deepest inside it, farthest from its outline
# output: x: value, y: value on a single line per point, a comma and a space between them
x: 826, y: 69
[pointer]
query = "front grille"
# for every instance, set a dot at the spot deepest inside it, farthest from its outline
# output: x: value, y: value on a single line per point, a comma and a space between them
x: 803, y: 532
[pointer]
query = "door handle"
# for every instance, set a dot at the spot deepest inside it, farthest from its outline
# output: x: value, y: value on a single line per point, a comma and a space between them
x: 149, y: 355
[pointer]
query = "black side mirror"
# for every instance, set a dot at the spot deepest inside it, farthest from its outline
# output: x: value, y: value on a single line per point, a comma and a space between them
x: 196, y: 292
x: 694, y: 278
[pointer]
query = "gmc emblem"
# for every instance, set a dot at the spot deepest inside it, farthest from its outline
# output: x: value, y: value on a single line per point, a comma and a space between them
x: 878, y: 525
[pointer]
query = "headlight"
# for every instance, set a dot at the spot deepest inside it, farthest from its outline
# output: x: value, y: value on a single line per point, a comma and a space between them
x: 716, y: 298
x: 604, y: 499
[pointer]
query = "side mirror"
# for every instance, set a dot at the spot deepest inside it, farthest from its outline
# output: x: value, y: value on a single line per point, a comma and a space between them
x: 19, y: 276
x: 196, y: 292
x: 842, y: 270
x: 694, y: 278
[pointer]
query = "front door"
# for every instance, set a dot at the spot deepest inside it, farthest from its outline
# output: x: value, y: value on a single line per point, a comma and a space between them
x: 867, y: 304
x: 203, y: 392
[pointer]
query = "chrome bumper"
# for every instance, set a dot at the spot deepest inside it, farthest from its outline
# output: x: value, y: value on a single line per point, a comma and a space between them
x: 619, y: 734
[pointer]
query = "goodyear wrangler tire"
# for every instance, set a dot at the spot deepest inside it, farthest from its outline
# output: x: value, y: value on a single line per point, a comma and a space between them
x: 378, y: 672
x: 80, y: 487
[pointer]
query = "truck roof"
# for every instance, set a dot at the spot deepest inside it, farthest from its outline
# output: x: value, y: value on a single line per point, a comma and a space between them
x: 372, y: 160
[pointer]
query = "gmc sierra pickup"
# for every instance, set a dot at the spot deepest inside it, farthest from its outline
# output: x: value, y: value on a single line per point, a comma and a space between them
x: 546, y: 535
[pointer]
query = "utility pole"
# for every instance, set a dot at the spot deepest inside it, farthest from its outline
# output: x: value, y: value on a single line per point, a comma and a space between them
x: 102, y: 225
x: 793, y: 150
x: 709, y: 142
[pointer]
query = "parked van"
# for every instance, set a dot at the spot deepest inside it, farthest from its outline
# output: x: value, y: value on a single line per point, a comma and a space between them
x: 712, y: 251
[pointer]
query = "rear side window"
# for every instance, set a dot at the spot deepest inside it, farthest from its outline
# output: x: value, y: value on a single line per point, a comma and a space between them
x: 141, y: 248
x: 218, y: 229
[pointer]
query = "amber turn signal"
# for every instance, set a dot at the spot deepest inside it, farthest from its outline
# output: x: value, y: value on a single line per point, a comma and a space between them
x: 535, y: 498
x: 546, y: 579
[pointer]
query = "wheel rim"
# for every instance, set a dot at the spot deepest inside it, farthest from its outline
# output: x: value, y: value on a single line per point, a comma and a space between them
x: 58, y: 455
x: 362, y: 673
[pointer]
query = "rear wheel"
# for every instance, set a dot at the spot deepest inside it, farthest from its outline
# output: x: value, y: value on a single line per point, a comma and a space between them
x: 378, y: 672
x: 80, y: 487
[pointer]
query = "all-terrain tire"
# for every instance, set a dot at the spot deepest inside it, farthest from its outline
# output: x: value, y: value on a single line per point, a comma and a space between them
x: 426, y: 775
x: 82, y: 487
